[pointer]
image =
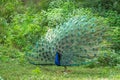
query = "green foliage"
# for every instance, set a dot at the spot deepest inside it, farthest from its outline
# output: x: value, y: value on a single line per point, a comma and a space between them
x: 105, y: 59
x: 66, y: 4
x: 9, y: 54
x: 25, y: 30
x: 58, y: 12
x: 110, y: 4
x: 9, y: 7
x: 113, y: 19
x: 44, y: 4
x: 109, y: 59
x: 55, y: 17
x: 116, y: 39
x: 100, y: 5
x: 3, y: 30
x: 36, y: 70
x: 56, y: 3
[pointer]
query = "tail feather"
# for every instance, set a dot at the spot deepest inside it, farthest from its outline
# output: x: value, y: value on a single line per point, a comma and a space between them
x: 78, y: 40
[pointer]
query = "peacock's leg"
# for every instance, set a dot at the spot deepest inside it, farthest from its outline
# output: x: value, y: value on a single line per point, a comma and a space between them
x: 65, y: 68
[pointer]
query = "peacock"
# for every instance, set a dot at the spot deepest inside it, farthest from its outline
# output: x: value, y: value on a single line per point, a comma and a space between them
x: 75, y: 42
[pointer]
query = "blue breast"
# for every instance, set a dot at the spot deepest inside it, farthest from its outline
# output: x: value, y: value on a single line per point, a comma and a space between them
x: 57, y: 59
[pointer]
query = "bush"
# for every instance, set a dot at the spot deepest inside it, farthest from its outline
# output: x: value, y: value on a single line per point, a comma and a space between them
x: 7, y: 54
x: 113, y: 19
x: 109, y: 59
x: 25, y: 30
x: 105, y: 59
x: 58, y: 12
x: 10, y: 7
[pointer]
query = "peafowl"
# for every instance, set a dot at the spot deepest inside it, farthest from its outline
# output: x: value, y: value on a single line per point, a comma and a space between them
x: 75, y: 42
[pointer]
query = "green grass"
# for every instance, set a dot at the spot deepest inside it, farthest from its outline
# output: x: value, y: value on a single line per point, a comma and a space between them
x: 13, y: 70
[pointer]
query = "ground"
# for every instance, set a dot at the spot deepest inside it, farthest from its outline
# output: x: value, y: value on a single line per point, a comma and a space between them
x: 13, y: 70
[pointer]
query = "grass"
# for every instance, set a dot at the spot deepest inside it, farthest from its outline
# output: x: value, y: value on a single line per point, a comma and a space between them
x: 13, y: 70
